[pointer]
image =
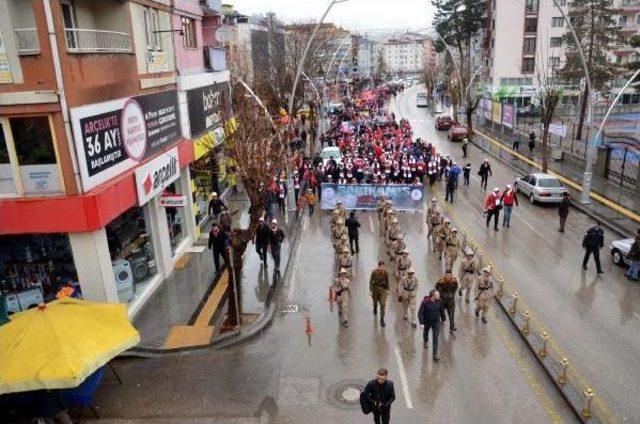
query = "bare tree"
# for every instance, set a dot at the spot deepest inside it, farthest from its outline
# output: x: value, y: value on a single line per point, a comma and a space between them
x: 549, y: 91
x: 256, y: 147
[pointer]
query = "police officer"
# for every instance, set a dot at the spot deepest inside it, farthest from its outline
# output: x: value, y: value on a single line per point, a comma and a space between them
x: 378, y: 289
x: 447, y: 285
x: 341, y: 288
x: 484, y: 293
x: 345, y: 261
x: 408, y: 290
x: 452, y: 247
x: 443, y: 233
x: 467, y: 273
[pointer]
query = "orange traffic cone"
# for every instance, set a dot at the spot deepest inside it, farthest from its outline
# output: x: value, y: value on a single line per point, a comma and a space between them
x: 309, y: 329
x: 330, y: 298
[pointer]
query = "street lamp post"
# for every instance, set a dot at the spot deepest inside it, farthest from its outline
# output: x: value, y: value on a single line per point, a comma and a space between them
x: 591, y: 146
x: 306, y: 51
x: 318, y: 116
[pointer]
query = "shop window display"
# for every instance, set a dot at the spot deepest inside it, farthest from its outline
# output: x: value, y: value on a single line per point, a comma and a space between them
x: 132, y: 254
x: 176, y: 220
x: 35, y: 269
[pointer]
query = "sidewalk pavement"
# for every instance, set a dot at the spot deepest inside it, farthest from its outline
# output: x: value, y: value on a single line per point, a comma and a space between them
x: 189, y: 307
x: 619, y: 211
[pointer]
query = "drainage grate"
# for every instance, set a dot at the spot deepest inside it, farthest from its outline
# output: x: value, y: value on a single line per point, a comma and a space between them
x: 289, y: 308
x: 346, y: 393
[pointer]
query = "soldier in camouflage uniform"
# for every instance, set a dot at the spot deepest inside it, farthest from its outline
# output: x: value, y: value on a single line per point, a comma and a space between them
x: 397, y: 247
x: 387, y: 214
x: 380, y: 206
x: 467, y: 273
x: 337, y: 232
x: 452, y: 246
x: 408, y: 291
x: 443, y: 234
x: 379, y: 288
x: 484, y: 293
x: 341, y: 289
x: 335, y: 217
x: 345, y: 261
x: 393, y: 232
x: 344, y: 244
x: 403, y: 264
x: 341, y: 210
x: 447, y: 285
x: 431, y: 211
x: 436, y: 223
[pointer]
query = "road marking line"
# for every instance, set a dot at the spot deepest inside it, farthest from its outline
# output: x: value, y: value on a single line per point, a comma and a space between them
x: 371, y: 227
x: 403, y: 379
x: 636, y: 315
x: 600, y: 198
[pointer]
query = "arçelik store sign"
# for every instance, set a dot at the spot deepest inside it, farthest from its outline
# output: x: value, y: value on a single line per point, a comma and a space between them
x: 154, y: 176
x: 112, y: 137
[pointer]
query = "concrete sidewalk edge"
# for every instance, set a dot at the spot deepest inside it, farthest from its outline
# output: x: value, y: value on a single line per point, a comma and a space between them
x: 240, y: 335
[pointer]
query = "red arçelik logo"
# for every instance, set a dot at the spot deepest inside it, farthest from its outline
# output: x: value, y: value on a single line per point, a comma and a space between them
x: 148, y: 184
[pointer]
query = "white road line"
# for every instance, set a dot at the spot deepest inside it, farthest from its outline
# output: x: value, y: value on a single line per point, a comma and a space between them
x: 636, y: 315
x: 403, y: 379
x: 371, y: 227
x: 525, y: 221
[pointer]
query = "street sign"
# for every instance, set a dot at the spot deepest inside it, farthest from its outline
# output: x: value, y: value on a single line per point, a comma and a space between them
x: 173, y: 201
x: 558, y: 129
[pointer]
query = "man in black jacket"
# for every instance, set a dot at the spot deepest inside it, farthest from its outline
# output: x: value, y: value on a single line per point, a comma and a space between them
x: 353, y: 225
x: 485, y: 172
x: 216, y: 206
x: 593, y: 241
x: 429, y: 316
x: 276, y: 237
x: 563, y: 210
x: 261, y: 241
x: 218, y: 244
x: 380, y: 394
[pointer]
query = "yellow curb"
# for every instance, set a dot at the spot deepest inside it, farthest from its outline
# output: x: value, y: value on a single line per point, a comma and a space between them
x: 600, y: 198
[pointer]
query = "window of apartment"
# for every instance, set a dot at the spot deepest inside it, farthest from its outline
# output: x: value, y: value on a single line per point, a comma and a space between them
x: 531, y: 6
x: 554, y: 61
x: 530, y: 25
x: 188, y: 32
x: 152, y: 26
x: 528, y: 64
x: 555, y: 42
x: 529, y: 46
x: 638, y: 19
x: 557, y: 21
x: 32, y: 137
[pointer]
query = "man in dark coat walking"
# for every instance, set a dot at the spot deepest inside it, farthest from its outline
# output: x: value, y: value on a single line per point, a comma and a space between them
x: 592, y: 242
x: 276, y: 237
x: 429, y: 316
x: 380, y: 394
x: 484, y: 172
x: 218, y: 245
x: 261, y: 240
x: 352, y: 225
x: 563, y: 210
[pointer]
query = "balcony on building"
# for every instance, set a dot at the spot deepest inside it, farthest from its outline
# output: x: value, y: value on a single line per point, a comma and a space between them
x: 23, y: 22
x: 96, y: 27
x: 631, y: 27
x: 629, y: 6
x: 214, y: 50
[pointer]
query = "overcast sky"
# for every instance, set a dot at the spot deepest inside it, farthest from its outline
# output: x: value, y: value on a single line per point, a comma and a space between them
x: 353, y: 14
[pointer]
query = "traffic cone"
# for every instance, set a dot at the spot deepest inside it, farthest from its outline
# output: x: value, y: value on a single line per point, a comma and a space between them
x: 330, y: 298
x: 309, y: 329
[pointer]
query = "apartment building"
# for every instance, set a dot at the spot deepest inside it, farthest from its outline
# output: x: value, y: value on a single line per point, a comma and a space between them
x: 405, y: 54
x: 363, y: 55
x: 99, y: 102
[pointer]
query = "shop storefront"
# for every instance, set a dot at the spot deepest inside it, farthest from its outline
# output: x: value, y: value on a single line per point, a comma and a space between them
x: 207, y: 107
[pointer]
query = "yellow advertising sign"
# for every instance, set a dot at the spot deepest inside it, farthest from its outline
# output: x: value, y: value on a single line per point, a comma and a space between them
x: 496, y: 112
x: 5, y: 69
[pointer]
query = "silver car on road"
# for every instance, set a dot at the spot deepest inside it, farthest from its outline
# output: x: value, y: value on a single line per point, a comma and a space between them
x: 540, y: 187
x: 619, y: 250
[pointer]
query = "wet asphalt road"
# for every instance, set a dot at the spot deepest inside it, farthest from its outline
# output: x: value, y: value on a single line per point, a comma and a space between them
x: 594, y: 320
x: 486, y: 374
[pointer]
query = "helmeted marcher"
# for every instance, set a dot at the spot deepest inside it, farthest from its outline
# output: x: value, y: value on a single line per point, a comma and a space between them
x: 467, y: 273
x: 484, y: 293
x: 379, y: 288
x: 452, y: 247
x: 408, y: 290
x: 341, y: 288
x: 443, y: 234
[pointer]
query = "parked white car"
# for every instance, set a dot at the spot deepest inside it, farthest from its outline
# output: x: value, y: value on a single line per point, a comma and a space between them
x: 540, y: 187
x: 619, y: 250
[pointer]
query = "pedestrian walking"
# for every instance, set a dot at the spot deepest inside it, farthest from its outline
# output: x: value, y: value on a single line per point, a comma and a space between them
x: 633, y: 257
x: 450, y: 187
x: 378, y: 289
x: 592, y: 242
x: 341, y: 289
x: 408, y: 290
x: 484, y: 293
x: 447, y: 286
x: 492, y: 207
x: 563, y: 210
x: 516, y: 142
x: 310, y: 197
x: 282, y: 195
x: 466, y: 173
x: 380, y: 394
x: 261, y: 240
x: 215, y: 206
x: 508, y: 199
x: 532, y: 141
x: 352, y: 225
x: 218, y: 245
x: 467, y: 273
x: 276, y: 237
x: 296, y: 186
x: 429, y: 316
x: 465, y: 147
x: 485, y: 172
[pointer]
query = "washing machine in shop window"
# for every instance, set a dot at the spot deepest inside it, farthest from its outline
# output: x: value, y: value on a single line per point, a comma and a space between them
x: 139, y: 266
x: 30, y: 299
x: 13, y: 305
x: 124, y: 279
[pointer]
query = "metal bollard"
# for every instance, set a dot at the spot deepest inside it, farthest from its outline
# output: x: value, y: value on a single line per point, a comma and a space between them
x: 589, y: 395
x: 525, y: 328
x: 500, y: 292
x: 514, y: 305
x: 562, y: 379
x: 542, y: 353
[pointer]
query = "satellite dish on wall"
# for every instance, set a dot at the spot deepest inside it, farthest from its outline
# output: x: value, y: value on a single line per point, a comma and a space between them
x: 223, y: 34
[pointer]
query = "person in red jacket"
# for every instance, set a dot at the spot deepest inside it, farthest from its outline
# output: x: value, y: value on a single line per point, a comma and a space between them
x: 492, y: 207
x: 509, y: 198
